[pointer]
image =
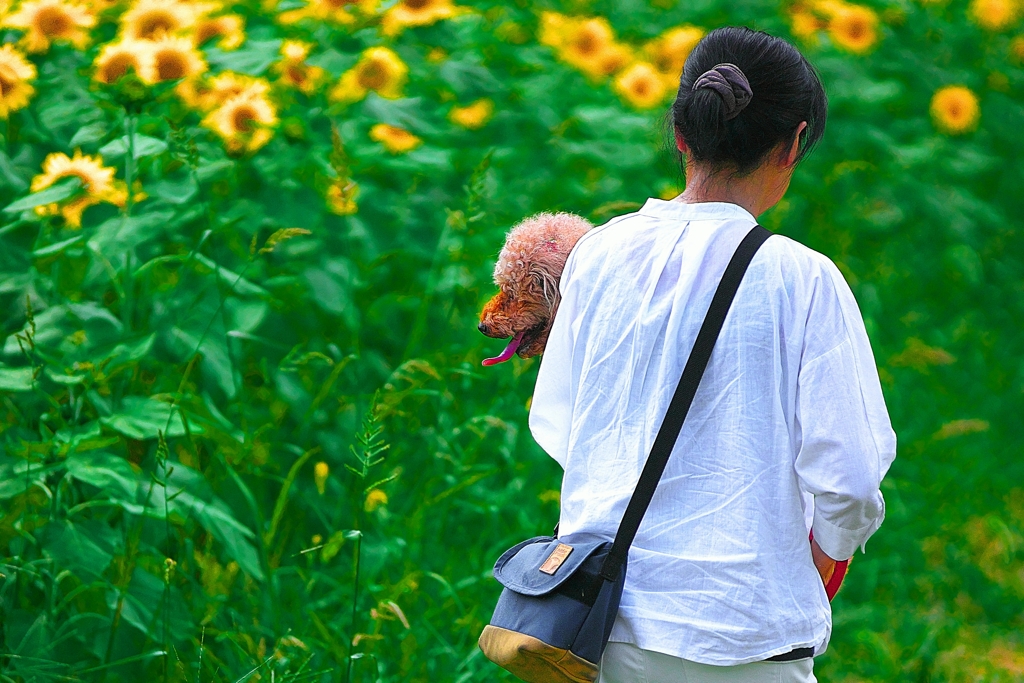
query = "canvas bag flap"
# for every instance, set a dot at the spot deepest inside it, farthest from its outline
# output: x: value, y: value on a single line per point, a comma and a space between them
x: 519, y: 569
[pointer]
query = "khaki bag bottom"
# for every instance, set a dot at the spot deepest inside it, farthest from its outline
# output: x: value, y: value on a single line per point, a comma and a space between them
x: 533, y: 660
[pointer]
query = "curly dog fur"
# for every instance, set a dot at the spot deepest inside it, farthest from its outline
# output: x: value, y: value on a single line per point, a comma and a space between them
x: 527, y: 274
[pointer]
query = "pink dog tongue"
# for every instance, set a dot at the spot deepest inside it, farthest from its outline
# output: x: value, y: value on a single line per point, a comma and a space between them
x: 507, y: 353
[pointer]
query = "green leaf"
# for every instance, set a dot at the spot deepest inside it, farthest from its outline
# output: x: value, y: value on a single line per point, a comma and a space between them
x: 18, y: 476
x: 333, y: 62
x: 254, y: 58
x: 111, y: 474
x: 59, y: 191
x: 93, y: 132
x: 216, y: 363
x: 234, y: 280
x: 58, y: 247
x: 84, y: 548
x: 143, y: 418
x: 16, y: 379
x: 145, y: 146
x: 119, y: 234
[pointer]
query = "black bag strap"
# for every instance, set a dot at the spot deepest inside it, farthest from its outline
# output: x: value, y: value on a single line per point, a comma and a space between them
x: 681, y: 400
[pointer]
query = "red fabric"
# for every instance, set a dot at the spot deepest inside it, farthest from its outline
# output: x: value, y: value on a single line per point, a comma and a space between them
x: 832, y: 587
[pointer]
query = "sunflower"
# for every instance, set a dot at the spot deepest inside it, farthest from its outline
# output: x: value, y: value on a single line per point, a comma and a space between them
x: 117, y: 59
x: 553, y: 29
x: 207, y: 94
x: 417, y: 13
x: 379, y: 69
x: 668, y: 52
x: 52, y: 20
x: 294, y: 71
x: 151, y: 19
x: 343, y: 12
x: 955, y: 109
x: 472, y: 116
x: 614, y: 59
x: 175, y: 58
x: 243, y: 121
x: 585, y: 43
x: 805, y: 25
x: 395, y: 140
x: 642, y: 85
x: 994, y: 15
x: 854, y: 27
x: 341, y: 197
x: 1017, y: 49
x: 97, y: 184
x: 15, y: 74
x: 229, y: 29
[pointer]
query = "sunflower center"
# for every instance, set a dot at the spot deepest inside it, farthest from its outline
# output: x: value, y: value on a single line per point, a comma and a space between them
x: 117, y: 66
x: 955, y: 110
x: 339, y: 4
x: 8, y: 81
x: 296, y: 74
x: 417, y: 4
x: 857, y: 29
x: 586, y: 43
x: 171, y: 66
x: 641, y: 87
x: 208, y: 30
x: 373, y: 76
x: 53, y: 21
x: 243, y: 118
x: 156, y: 22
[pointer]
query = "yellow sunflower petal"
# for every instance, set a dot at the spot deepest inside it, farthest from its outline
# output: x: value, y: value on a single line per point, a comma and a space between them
x: 395, y: 140
x: 97, y: 183
x: 409, y: 13
x: 152, y: 19
x: 15, y: 74
x: 472, y: 116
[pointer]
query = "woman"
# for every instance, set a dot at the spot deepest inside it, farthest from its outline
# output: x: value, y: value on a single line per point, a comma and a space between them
x: 788, y: 431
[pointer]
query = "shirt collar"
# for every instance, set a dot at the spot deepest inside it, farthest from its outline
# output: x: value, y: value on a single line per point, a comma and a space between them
x: 704, y: 211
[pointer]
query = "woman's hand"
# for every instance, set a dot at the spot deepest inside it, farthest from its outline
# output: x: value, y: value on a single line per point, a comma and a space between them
x: 825, y: 565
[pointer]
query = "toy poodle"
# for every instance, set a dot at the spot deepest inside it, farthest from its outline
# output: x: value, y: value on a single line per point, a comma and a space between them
x: 527, y: 273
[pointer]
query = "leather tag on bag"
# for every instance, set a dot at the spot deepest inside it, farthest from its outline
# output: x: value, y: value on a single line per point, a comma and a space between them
x: 556, y: 558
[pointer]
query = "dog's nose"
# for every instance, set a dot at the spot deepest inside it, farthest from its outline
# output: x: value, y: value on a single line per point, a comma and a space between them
x: 483, y: 328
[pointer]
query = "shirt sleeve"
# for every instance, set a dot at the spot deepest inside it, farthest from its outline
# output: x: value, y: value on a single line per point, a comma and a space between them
x: 845, y: 442
x: 551, y: 405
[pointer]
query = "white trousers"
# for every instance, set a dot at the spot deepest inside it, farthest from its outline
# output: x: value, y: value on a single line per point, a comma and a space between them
x: 626, y: 663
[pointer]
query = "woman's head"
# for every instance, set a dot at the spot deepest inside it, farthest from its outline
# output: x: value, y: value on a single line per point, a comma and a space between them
x: 753, y: 102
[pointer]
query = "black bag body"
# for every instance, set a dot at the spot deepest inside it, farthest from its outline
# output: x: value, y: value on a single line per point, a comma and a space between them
x: 561, y: 595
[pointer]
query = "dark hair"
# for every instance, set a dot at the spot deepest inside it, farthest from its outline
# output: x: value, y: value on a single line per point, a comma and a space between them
x: 786, y: 90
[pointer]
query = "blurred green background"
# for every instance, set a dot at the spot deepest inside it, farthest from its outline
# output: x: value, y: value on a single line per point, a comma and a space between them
x: 244, y: 429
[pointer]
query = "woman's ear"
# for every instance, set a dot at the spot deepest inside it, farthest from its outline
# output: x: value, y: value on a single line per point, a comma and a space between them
x: 681, y: 144
x: 794, y: 148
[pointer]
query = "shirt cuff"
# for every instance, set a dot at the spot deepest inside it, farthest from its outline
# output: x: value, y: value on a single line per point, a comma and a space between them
x: 839, y: 543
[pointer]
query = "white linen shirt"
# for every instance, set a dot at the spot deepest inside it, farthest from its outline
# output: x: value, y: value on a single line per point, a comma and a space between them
x: 788, y: 429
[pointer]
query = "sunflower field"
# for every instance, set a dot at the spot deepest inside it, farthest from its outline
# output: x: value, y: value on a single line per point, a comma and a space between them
x: 244, y: 429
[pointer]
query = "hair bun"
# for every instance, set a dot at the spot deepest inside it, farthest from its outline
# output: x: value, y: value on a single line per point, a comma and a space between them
x: 731, y: 84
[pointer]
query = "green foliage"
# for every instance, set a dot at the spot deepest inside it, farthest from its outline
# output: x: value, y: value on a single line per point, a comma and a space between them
x: 244, y: 430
